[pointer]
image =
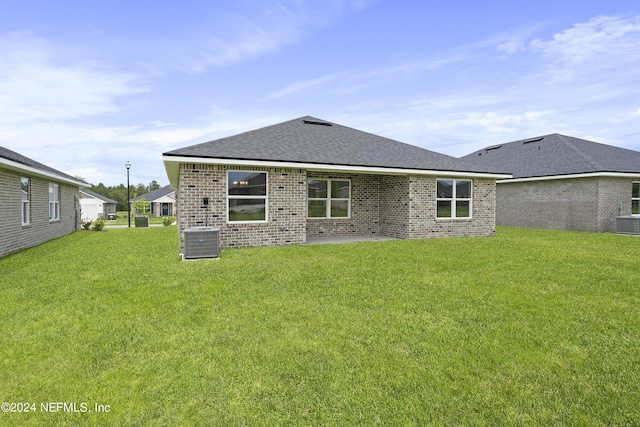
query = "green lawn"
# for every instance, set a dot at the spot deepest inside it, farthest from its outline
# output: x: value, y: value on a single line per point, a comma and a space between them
x: 122, y: 219
x: 526, y: 328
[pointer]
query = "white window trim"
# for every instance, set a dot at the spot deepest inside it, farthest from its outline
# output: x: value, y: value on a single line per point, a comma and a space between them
x: 265, y: 198
x: 454, y: 199
x: 26, y: 204
x: 329, y: 199
x: 55, y: 204
x: 635, y: 198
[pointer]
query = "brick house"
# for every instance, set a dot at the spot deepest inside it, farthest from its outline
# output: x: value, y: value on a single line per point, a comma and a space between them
x: 162, y: 202
x: 308, y: 178
x: 563, y: 183
x: 96, y: 206
x: 37, y: 203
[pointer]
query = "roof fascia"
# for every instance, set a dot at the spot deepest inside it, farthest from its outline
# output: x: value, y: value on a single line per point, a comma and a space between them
x: 162, y: 199
x: 571, y: 176
x: 172, y: 166
x: 19, y: 167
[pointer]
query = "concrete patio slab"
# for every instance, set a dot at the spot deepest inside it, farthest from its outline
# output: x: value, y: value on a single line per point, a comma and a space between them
x: 350, y: 239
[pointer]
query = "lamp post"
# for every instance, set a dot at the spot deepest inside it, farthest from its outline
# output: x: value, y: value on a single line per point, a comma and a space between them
x: 128, y: 166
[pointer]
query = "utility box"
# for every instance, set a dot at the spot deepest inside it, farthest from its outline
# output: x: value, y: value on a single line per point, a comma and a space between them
x: 142, y: 221
x: 201, y: 242
x: 628, y: 224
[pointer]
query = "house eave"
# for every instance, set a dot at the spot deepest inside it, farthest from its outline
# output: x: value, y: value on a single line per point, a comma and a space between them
x: 19, y: 167
x: 172, y: 166
x: 572, y: 176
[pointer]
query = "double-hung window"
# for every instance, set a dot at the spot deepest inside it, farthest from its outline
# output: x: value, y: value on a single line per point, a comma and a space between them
x: 328, y: 198
x: 635, y: 199
x: 247, y: 198
x: 54, y: 202
x: 26, y: 201
x: 453, y: 198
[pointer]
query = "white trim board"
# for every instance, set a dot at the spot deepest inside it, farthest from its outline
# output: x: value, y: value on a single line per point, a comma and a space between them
x: 19, y: 167
x: 172, y: 166
x: 572, y: 176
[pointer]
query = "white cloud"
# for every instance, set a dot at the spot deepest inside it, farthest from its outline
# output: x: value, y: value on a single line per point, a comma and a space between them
x: 513, y: 46
x: 353, y: 81
x: 305, y: 85
x: 603, y: 35
x: 601, y: 44
x: 34, y: 85
x: 257, y: 31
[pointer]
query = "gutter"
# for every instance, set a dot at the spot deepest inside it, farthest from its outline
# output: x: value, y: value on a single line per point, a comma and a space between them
x: 172, y: 166
x: 19, y: 167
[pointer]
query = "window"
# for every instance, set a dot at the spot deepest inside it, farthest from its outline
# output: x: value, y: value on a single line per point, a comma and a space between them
x: 247, y: 196
x: 26, y: 201
x: 54, y: 202
x: 328, y: 198
x: 453, y: 198
x: 635, y: 199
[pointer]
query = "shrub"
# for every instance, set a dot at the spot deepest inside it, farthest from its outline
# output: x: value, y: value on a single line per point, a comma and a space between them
x: 98, y: 225
x: 168, y: 220
x: 86, y: 224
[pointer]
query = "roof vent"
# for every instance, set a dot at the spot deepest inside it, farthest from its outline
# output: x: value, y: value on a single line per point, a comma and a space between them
x: 528, y: 141
x: 495, y: 147
x: 315, y: 122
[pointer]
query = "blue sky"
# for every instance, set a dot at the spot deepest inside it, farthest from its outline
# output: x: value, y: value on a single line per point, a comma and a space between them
x: 86, y: 86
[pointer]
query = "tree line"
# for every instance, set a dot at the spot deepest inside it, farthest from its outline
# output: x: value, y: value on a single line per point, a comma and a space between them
x: 119, y: 192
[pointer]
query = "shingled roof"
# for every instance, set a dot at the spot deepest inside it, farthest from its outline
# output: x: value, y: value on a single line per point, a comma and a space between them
x: 556, y: 155
x: 97, y: 196
x: 155, y: 194
x: 311, y: 141
x: 15, y: 160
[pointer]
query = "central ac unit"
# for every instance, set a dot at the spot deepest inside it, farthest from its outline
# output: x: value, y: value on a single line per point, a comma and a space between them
x: 628, y: 224
x: 201, y: 242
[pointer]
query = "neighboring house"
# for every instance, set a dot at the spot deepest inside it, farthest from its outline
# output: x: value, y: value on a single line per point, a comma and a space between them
x: 561, y: 182
x: 162, y: 202
x: 309, y: 178
x: 37, y: 203
x: 96, y: 206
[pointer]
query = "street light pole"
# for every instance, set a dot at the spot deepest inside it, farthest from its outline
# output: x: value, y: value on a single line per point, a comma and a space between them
x: 128, y: 165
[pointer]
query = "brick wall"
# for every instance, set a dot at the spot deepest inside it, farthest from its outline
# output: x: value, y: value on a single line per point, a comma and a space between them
x: 287, y: 195
x: 395, y: 206
x: 614, y: 199
x: 15, y: 236
x: 581, y: 204
x: 422, y: 211
x: 364, y: 220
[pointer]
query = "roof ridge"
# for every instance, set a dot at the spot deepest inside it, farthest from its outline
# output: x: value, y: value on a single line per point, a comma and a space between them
x: 157, y: 193
x: 262, y: 128
x: 567, y: 141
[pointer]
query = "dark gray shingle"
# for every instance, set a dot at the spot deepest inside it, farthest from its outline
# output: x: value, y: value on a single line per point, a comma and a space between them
x: 555, y: 154
x: 155, y: 194
x: 23, y: 160
x: 302, y: 141
x: 97, y: 196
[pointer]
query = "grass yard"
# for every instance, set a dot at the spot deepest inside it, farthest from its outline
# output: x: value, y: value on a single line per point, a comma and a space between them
x: 122, y: 219
x: 526, y: 328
